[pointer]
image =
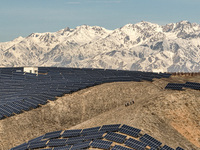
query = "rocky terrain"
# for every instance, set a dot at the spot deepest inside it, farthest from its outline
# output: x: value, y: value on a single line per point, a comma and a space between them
x: 169, y: 116
x: 143, y: 46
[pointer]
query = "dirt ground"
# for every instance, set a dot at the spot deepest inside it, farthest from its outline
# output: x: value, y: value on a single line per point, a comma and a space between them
x: 173, y: 117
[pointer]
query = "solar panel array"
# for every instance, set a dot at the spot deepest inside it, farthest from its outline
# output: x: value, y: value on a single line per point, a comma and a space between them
x: 165, y: 147
x: 135, y: 144
x: 103, y: 137
x: 24, y: 91
x: 150, y: 141
x: 177, y: 86
x: 174, y: 86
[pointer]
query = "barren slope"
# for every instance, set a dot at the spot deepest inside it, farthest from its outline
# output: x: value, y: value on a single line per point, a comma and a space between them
x: 170, y: 116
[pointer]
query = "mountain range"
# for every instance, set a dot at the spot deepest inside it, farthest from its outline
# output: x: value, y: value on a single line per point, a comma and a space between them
x: 143, y: 46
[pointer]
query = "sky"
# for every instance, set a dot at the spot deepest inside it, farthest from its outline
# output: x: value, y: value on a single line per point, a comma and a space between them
x: 23, y: 17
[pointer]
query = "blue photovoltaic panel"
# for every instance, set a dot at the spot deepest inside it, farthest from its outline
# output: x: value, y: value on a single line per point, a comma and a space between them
x: 153, y: 148
x: 115, y: 137
x: 68, y: 147
x: 179, y: 148
x: 129, y: 130
x: 36, y: 139
x: 57, y: 142
x: 111, y: 128
x: 118, y: 147
x: 94, y: 135
x: 82, y: 145
x: 174, y: 86
x: 26, y: 90
x: 21, y: 105
x: 8, y: 109
x: 135, y: 144
x: 75, y: 140
x: 21, y: 147
x: 5, y: 112
x: 71, y: 133
x: 15, y: 109
x: 165, y: 147
x: 24, y: 104
x: 1, y: 116
x: 192, y: 85
x: 39, y: 144
x: 52, y: 135
x: 30, y: 103
x: 89, y: 130
x: 101, y: 144
x: 150, y: 141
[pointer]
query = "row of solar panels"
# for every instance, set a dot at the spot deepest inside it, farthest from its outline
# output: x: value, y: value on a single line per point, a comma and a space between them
x: 104, y: 137
x: 21, y: 91
x: 178, y: 86
x: 54, y: 70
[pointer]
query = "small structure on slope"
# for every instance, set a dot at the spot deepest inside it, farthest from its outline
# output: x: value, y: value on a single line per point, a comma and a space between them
x: 31, y: 70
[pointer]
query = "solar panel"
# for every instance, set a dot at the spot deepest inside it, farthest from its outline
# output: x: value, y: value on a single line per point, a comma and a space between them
x: 39, y: 101
x: 192, y: 85
x: 21, y: 147
x: 30, y: 104
x: 75, y: 140
x: 89, y: 130
x: 4, y: 112
x: 129, y: 130
x: 52, y: 135
x: 38, y: 144
x: 33, y: 101
x: 150, y: 141
x: 146, y: 78
x: 153, y: 148
x: 82, y: 145
x: 15, y: 109
x: 68, y: 147
x: 9, y: 109
x: 1, y: 116
x: 165, y: 147
x: 48, y: 97
x: 21, y: 105
x: 135, y: 144
x: 94, y: 135
x: 71, y: 133
x: 36, y: 139
x: 57, y: 142
x: 25, y: 91
x: 179, y: 148
x: 174, y: 86
x: 110, y: 128
x: 26, y: 105
x: 101, y: 144
x: 115, y: 137
x: 118, y: 147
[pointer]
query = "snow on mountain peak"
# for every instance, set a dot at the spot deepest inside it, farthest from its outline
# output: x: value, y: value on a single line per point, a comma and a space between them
x: 183, y: 27
x: 18, y: 39
x: 142, y: 46
x: 184, y: 22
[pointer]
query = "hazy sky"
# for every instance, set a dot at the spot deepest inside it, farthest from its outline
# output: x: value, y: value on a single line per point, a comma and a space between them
x: 22, y: 17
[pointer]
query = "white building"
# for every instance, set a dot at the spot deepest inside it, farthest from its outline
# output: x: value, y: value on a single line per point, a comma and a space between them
x: 159, y: 70
x: 31, y: 70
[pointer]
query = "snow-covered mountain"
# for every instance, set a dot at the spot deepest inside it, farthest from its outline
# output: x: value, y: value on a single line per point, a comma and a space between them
x: 143, y: 46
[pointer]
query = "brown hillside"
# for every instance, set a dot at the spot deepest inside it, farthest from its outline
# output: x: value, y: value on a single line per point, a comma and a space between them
x: 169, y: 116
